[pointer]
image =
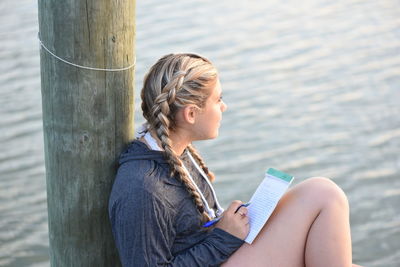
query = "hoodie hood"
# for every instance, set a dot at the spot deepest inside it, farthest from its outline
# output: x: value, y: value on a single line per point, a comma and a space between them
x: 137, y: 150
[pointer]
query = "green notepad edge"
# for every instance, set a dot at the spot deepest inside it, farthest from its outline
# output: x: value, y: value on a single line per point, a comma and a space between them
x: 279, y: 174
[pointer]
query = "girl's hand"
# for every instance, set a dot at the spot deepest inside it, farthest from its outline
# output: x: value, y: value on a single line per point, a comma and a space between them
x: 236, y: 224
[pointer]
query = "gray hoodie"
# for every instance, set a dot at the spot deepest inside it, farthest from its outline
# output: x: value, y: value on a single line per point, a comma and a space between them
x: 154, y: 219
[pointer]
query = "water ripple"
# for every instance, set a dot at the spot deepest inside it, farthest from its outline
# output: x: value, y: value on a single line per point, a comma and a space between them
x: 312, y: 88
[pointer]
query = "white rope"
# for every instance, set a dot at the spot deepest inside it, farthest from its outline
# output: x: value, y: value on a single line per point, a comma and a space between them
x: 82, y: 67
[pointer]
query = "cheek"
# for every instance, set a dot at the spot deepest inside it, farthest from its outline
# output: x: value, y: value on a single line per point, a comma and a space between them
x: 221, y: 109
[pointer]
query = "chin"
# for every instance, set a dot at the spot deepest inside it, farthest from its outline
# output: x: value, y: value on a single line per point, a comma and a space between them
x: 209, y: 136
x: 215, y: 135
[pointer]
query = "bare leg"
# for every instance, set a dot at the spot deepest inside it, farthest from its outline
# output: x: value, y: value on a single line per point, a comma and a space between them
x: 310, y: 227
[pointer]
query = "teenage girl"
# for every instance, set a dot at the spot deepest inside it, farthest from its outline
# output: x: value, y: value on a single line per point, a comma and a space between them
x: 163, y: 195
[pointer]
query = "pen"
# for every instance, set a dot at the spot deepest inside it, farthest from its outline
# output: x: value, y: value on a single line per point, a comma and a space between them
x: 242, y: 205
x: 212, y: 222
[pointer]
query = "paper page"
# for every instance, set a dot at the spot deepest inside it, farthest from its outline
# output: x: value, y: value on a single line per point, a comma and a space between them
x: 265, y: 199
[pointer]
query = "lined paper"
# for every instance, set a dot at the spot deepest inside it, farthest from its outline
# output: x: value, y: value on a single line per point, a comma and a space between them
x: 265, y: 199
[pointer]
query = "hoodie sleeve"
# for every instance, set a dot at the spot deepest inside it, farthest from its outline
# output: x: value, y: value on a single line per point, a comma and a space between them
x: 144, y: 233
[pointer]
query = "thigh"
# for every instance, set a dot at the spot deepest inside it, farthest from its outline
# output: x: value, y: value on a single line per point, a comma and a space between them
x: 282, y: 240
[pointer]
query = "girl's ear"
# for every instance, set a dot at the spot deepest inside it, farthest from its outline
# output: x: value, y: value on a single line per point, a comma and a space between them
x: 189, y: 113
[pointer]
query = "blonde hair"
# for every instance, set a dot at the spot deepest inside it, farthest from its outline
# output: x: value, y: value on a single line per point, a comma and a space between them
x: 174, y: 81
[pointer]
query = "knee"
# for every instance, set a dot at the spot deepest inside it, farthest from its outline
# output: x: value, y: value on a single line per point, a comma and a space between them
x: 325, y: 191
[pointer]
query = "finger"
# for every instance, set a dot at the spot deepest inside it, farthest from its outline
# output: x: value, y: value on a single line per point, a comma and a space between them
x: 243, y: 215
x: 243, y: 210
x: 242, y: 206
x: 234, y: 206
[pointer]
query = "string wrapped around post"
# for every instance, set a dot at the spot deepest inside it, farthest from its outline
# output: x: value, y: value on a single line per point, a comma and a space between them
x: 80, y: 66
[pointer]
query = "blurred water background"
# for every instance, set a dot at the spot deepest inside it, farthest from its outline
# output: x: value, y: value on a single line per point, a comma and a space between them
x: 313, y: 89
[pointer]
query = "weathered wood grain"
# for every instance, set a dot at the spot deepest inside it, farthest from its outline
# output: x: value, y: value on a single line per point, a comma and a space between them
x: 87, y: 120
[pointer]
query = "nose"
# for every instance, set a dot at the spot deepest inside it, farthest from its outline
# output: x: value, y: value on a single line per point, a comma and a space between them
x: 223, y: 106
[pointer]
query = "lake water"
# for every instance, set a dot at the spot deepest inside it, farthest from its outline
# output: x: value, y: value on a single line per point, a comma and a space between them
x: 313, y: 89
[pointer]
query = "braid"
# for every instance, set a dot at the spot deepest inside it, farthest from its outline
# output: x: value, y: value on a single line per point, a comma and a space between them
x: 201, y: 162
x: 173, y: 82
x: 161, y: 126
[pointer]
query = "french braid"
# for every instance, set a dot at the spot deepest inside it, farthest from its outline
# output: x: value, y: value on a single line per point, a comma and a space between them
x: 173, y: 82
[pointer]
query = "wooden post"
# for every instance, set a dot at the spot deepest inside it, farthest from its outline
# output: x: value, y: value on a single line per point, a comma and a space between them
x: 87, y: 121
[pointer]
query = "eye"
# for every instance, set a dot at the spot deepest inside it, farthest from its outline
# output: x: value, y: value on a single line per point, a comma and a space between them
x: 220, y: 99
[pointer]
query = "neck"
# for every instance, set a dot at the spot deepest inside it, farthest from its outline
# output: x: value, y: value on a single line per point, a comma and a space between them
x: 179, y: 141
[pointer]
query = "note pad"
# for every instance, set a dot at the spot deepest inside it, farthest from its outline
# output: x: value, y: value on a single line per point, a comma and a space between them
x: 265, y: 199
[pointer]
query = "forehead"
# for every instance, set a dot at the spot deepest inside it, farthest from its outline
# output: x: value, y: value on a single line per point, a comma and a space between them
x: 217, y: 90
